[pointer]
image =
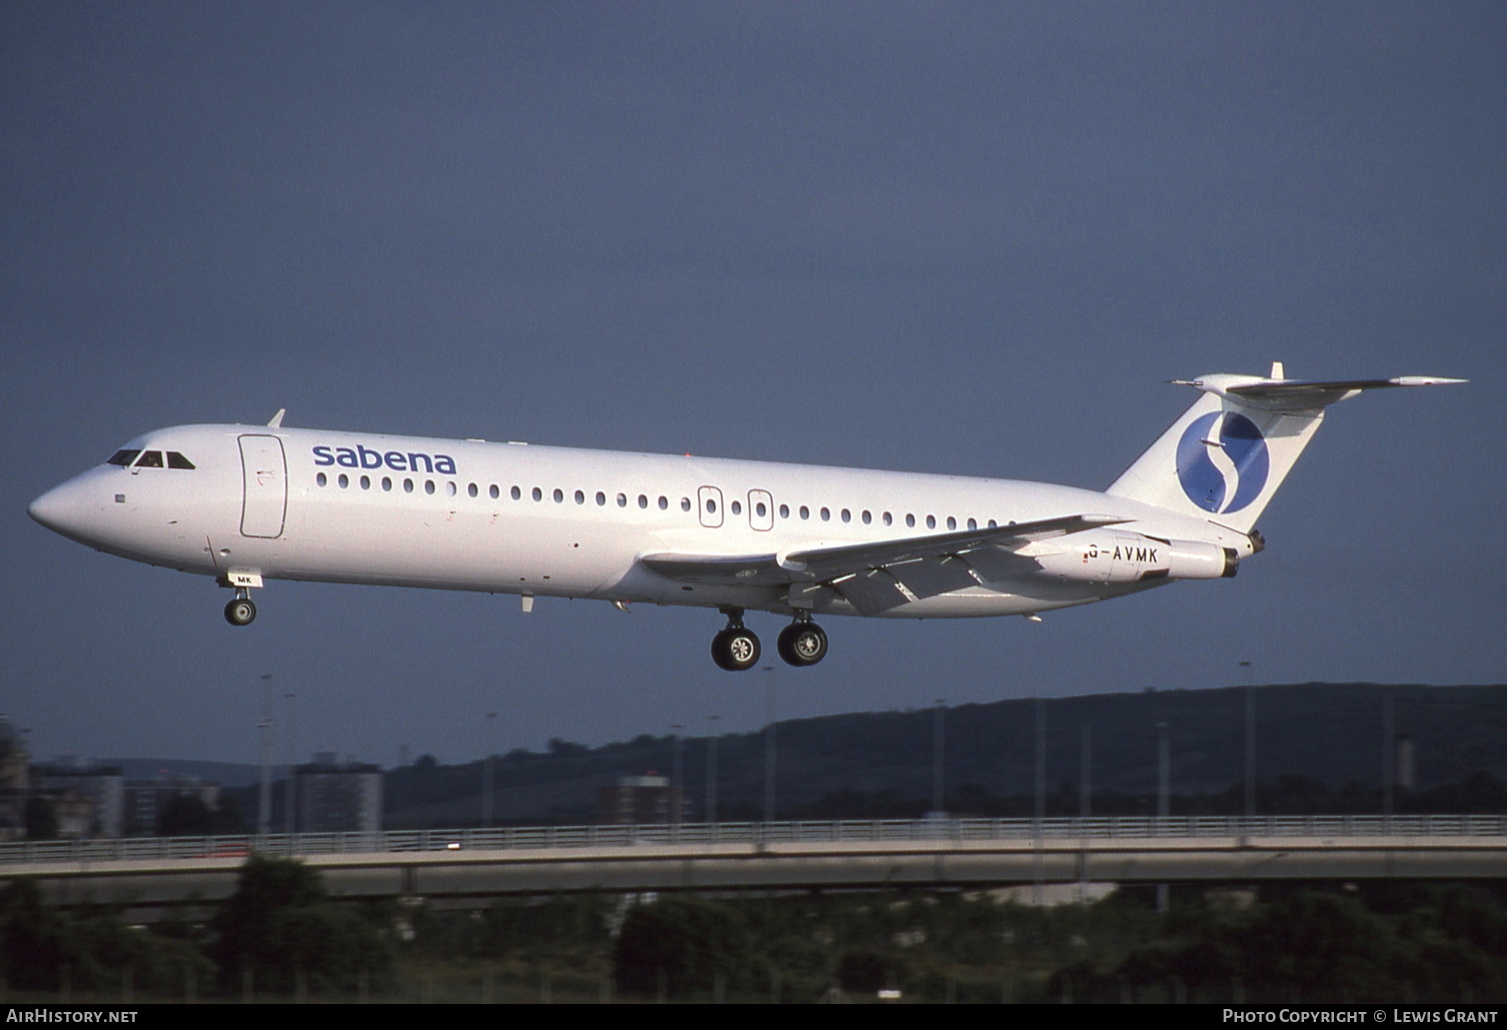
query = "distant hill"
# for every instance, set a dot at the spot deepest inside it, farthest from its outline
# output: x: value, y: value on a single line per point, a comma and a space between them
x: 226, y: 774
x: 1331, y: 733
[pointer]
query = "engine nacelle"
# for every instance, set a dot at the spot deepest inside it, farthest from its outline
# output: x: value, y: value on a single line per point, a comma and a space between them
x: 1107, y: 556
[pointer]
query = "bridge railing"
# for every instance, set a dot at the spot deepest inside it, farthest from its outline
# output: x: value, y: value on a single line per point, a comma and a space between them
x: 1098, y: 828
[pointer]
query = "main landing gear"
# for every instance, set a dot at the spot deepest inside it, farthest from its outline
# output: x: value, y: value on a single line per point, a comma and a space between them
x: 241, y: 611
x: 802, y: 642
x: 736, y: 648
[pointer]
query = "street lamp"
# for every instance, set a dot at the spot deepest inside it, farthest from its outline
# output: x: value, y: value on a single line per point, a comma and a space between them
x: 675, y: 772
x: 291, y: 754
x: 486, y: 794
x: 769, y: 745
x: 938, y: 744
x: 1250, y: 738
x: 264, y: 794
x: 711, y: 769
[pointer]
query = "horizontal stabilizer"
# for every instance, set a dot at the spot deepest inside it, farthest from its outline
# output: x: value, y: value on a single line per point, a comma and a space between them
x: 1300, y: 395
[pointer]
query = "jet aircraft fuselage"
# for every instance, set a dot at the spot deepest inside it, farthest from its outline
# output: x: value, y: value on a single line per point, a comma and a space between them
x: 246, y: 504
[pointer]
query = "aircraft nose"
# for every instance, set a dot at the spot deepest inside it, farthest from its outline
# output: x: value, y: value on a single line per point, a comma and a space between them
x: 61, y: 509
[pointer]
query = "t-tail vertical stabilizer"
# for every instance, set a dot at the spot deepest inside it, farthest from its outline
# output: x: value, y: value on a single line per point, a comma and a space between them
x: 1224, y: 459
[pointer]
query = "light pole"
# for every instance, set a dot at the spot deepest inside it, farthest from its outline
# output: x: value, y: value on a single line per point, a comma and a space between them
x: 486, y: 793
x: 291, y: 754
x: 1163, y: 772
x: 1085, y: 771
x: 1041, y: 763
x: 1388, y: 751
x: 711, y: 769
x: 769, y: 744
x: 264, y: 794
x: 1163, y: 802
x: 676, y: 793
x: 1041, y: 801
x: 1250, y: 738
x: 21, y: 739
x: 938, y: 744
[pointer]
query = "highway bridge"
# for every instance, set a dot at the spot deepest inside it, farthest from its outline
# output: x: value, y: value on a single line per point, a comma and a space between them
x: 473, y: 866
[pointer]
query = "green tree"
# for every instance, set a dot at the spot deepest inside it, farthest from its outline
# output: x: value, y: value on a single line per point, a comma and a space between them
x: 685, y: 941
x: 280, y: 922
x: 38, y: 942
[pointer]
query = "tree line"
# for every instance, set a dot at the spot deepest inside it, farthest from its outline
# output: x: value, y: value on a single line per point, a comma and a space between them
x: 281, y: 935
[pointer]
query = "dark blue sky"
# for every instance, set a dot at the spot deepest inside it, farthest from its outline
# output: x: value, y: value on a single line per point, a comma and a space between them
x: 971, y: 238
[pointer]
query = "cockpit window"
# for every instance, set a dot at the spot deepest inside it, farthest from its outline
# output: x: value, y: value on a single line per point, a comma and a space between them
x: 178, y: 461
x: 122, y: 457
x: 149, y: 460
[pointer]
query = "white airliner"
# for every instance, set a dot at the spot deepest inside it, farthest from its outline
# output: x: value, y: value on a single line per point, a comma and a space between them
x: 246, y: 504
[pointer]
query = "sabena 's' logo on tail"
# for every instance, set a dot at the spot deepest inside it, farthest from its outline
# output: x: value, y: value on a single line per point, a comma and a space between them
x: 1222, y: 462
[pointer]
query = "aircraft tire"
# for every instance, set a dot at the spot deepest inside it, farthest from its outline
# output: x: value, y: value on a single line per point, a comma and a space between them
x: 802, y: 644
x: 735, y: 650
x: 240, y: 612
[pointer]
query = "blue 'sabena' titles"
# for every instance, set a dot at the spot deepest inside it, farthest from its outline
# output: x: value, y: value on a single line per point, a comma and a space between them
x: 399, y: 461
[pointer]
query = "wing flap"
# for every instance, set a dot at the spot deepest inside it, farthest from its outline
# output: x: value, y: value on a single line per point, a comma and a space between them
x: 933, y: 557
x: 872, y: 592
x: 928, y: 577
x: 826, y: 562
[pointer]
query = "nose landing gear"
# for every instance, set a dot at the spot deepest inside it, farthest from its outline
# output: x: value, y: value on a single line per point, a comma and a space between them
x: 241, y: 611
x: 735, y: 649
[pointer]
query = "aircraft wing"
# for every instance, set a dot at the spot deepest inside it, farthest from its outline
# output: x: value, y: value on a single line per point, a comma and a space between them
x: 875, y: 575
